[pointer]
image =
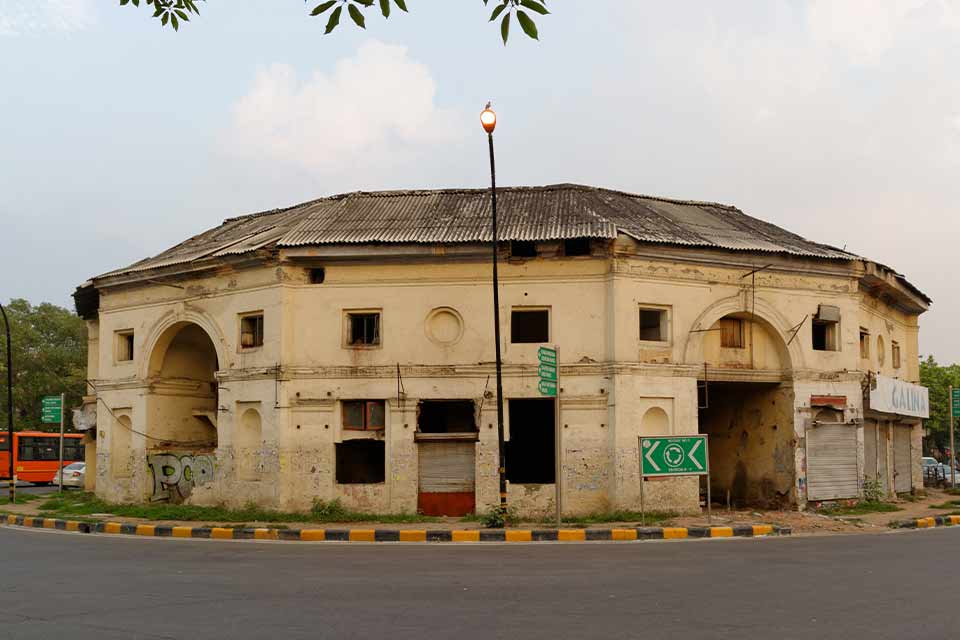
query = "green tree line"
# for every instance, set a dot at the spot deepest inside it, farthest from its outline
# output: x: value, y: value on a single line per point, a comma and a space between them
x: 49, y: 358
x: 938, y: 378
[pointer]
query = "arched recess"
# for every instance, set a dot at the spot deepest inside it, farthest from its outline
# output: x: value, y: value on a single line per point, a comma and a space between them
x: 182, y: 404
x: 248, y: 441
x: 764, y: 320
x: 121, y: 440
x: 655, y: 422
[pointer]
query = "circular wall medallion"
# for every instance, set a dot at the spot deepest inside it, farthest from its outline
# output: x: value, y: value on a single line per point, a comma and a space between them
x: 444, y: 326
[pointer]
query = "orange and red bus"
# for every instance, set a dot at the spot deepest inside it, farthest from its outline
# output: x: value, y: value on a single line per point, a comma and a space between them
x: 36, y: 454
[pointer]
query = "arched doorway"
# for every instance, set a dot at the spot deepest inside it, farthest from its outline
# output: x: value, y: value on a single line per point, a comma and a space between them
x: 183, y: 400
x: 746, y: 408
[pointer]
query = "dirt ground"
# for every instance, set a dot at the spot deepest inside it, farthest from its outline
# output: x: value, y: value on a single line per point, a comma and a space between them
x: 807, y: 522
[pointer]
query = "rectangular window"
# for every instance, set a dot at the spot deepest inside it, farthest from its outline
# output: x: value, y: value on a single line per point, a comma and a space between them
x: 124, y: 345
x: 523, y: 249
x: 576, y: 247
x: 530, y: 450
x: 363, y: 329
x: 895, y: 354
x: 317, y: 275
x: 364, y: 415
x: 864, y: 344
x: 653, y: 325
x: 361, y: 462
x: 446, y: 416
x: 251, y: 331
x: 731, y: 333
x: 529, y: 326
x: 826, y: 328
x: 73, y: 449
x: 39, y: 449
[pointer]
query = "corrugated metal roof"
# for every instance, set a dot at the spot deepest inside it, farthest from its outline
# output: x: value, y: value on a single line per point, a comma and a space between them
x: 463, y: 215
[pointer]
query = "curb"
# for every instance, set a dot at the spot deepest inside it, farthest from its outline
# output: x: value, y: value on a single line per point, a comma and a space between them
x: 928, y: 523
x: 402, y: 535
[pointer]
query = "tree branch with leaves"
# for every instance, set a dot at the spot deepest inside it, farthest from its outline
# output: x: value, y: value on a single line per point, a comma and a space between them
x: 174, y: 13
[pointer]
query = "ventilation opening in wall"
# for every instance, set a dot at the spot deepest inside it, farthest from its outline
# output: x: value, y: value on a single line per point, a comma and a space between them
x: 530, y: 450
x: 446, y: 416
x: 361, y: 462
x: 317, y: 275
x: 576, y: 247
x: 523, y: 249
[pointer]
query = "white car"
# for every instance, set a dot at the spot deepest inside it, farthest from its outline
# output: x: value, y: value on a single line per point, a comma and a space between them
x: 73, y: 475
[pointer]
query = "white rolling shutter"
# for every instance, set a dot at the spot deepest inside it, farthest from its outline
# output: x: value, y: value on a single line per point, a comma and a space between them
x: 902, y: 480
x: 832, y: 462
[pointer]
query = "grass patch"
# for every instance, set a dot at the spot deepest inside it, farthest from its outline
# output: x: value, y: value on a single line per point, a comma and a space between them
x: 654, y: 518
x: 952, y: 492
x: 949, y: 504
x: 85, y: 504
x: 22, y: 498
x: 860, y: 508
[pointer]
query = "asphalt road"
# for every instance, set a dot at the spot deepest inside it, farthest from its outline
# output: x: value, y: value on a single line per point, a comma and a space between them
x: 74, y: 586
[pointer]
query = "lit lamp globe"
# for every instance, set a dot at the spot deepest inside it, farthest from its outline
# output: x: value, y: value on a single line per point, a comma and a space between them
x: 488, y: 119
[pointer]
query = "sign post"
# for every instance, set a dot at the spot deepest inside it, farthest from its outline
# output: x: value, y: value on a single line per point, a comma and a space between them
x: 954, y: 413
x: 52, y: 413
x: 668, y: 456
x: 549, y: 374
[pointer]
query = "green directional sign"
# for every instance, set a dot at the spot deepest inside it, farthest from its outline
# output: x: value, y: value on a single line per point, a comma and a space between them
x: 674, y: 456
x: 546, y: 355
x: 51, y: 409
x: 547, y: 371
x: 956, y: 403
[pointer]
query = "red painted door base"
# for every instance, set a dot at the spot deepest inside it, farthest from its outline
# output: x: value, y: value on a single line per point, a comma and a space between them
x: 446, y: 504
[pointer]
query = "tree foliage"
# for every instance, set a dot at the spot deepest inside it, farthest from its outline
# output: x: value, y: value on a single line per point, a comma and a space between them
x: 174, y: 13
x: 49, y: 358
x: 938, y: 378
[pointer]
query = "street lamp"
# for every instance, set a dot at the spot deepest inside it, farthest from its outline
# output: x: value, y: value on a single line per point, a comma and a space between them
x: 489, y: 121
x: 12, y: 483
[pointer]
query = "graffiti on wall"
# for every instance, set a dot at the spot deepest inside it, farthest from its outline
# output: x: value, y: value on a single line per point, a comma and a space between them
x: 176, y: 474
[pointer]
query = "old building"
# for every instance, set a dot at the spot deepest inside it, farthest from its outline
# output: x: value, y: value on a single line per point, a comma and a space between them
x: 343, y: 349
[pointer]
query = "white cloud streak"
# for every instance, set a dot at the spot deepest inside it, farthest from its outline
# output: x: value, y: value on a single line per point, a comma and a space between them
x: 25, y: 17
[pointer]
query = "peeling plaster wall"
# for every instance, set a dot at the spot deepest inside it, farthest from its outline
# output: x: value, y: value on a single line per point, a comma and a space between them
x: 610, y: 378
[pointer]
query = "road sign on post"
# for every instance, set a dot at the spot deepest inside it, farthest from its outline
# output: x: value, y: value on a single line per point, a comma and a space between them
x: 955, y: 402
x: 51, y: 409
x: 549, y: 373
x: 673, y: 456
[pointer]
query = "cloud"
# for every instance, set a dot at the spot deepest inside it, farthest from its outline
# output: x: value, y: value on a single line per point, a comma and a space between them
x: 375, y: 110
x: 22, y: 17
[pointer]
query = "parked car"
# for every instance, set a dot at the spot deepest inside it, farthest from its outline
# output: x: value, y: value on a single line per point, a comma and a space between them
x: 73, y: 475
x: 944, y: 473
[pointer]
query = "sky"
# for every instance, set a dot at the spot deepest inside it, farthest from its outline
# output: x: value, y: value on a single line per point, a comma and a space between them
x: 836, y: 119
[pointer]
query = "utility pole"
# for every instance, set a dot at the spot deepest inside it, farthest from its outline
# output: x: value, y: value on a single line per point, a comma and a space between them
x: 60, y: 471
x: 13, y: 478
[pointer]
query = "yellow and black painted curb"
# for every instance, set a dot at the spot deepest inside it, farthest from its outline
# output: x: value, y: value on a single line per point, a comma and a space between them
x: 402, y: 535
x: 929, y: 523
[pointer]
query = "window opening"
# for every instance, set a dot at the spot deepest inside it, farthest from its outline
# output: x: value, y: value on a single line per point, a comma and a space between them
x: 529, y: 326
x: 317, y: 275
x: 251, y: 331
x: 124, y: 346
x: 895, y: 354
x: 446, y: 416
x: 364, y: 329
x: 731, y: 333
x: 825, y: 327
x: 364, y: 415
x: 361, y: 462
x: 864, y: 343
x: 653, y: 325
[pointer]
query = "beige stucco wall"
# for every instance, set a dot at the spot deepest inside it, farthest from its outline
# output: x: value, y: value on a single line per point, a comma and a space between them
x: 611, y: 380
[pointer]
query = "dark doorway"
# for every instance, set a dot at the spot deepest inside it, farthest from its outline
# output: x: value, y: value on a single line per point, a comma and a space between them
x: 530, y: 451
x: 446, y: 416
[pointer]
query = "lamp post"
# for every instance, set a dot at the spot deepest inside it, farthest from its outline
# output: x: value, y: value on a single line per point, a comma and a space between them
x: 489, y: 121
x: 12, y: 483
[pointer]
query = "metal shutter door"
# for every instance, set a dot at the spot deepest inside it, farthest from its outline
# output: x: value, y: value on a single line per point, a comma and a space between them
x: 832, y: 462
x: 870, y: 467
x: 902, y: 480
x: 447, y: 467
